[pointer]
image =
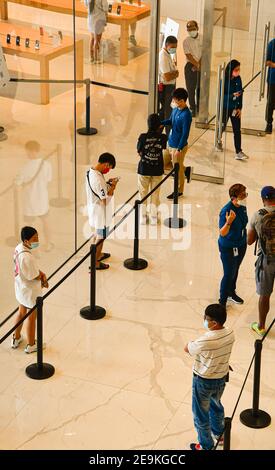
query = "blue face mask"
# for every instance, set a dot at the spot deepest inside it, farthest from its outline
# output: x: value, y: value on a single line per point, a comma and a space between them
x: 205, y: 324
x: 34, y: 245
x: 172, y: 50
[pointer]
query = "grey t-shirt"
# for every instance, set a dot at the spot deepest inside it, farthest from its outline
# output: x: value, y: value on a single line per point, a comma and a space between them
x: 255, y: 224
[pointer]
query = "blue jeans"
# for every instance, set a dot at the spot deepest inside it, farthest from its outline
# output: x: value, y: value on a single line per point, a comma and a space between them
x: 208, y: 412
x: 231, y: 266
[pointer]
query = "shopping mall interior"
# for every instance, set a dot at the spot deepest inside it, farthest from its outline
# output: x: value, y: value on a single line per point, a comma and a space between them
x: 124, y: 381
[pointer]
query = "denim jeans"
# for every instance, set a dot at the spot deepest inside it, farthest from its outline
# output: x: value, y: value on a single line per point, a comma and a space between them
x: 236, y: 126
x: 231, y: 266
x: 208, y: 412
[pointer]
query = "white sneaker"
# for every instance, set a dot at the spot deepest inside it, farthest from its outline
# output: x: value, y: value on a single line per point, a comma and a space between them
x: 133, y: 40
x: 15, y: 342
x: 30, y: 349
x: 153, y: 220
x: 241, y: 156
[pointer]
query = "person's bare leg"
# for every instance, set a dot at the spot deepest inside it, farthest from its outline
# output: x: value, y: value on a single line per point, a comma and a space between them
x: 97, y: 46
x: 31, y: 320
x: 92, y: 46
x: 99, y: 252
x: 21, y: 312
x: 264, y: 305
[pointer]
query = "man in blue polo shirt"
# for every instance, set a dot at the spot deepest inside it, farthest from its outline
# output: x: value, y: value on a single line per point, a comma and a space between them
x: 270, y: 105
x: 180, y: 120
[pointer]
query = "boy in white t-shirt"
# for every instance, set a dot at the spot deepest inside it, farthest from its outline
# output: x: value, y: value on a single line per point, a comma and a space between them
x: 29, y: 281
x: 99, y: 194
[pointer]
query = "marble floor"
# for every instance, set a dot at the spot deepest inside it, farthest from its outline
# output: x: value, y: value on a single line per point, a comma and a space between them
x: 123, y: 382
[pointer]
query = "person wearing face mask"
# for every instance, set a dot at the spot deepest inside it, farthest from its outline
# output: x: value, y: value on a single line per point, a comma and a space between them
x: 168, y: 74
x: 210, y: 373
x: 29, y: 281
x: 233, y: 103
x: 99, y: 194
x: 192, y: 48
x: 232, y: 242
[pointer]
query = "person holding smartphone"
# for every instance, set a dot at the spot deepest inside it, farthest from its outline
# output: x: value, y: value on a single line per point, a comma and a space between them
x: 97, y: 19
x: 232, y: 242
x: 232, y: 107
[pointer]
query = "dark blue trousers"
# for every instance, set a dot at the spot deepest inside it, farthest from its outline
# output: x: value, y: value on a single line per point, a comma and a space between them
x: 231, y: 266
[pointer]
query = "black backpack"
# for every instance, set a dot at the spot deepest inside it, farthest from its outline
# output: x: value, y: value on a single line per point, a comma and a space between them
x: 267, y: 234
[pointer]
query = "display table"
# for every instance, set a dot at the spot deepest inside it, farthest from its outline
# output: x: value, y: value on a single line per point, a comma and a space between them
x: 47, y: 51
x: 130, y: 13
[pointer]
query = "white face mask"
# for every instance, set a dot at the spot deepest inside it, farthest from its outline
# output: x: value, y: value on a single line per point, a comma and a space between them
x: 193, y: 34
x: 242, y: 202
x: 173, y: 105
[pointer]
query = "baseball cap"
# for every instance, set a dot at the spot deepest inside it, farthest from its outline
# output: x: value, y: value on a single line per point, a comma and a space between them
x: 268, y: 192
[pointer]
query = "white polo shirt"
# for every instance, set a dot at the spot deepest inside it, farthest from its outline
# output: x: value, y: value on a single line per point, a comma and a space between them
x: 193, y: 46
x: 97, y: 191
x: 212, y: 351
x: 166, y: 65
x: 27, y: 288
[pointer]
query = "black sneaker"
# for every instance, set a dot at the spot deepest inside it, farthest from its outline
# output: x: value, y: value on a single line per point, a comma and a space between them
x: 188, y: 173
x: 235, y: 298
x: 171, y: 196
x: 268, y: 129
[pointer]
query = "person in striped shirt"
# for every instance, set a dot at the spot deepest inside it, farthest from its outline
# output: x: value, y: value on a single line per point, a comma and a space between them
x: 210, y: 371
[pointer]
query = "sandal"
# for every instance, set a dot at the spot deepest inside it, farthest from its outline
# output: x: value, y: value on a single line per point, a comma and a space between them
x: 104, y: 256
x: 102, y: 266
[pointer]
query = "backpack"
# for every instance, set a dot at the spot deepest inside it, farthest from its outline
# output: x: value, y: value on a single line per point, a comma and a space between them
x: 267, y: 234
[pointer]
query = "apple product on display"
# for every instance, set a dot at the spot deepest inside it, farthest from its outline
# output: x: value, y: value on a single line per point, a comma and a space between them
x: 8, y: 38
x: 37, y: 45
x: 118, y: 10
x: 110, y: 7
x: 27, y: 42
x: 18, y: 40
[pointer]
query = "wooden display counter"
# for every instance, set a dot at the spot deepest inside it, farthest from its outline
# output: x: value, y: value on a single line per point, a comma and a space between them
x: 46, y: 52
x: 130, y: 13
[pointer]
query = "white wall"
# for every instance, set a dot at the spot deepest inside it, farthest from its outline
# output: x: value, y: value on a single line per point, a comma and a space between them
x: 182, y: 9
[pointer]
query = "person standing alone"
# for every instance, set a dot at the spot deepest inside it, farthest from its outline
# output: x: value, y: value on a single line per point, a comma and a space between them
x: 193, y: 49
x: 270, y: 105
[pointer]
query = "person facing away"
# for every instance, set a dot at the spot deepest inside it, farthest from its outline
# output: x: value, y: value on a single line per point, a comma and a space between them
x: 99, y: 194
x: 97, y: 18
x: 232, y: 242
x: 150, y: 148
x: 270, y: 104
x: 210, y: 372
x: 180, y: 120
x: 232, y: 107
x: 168, y: 74
x: 29, y: 281
x: 34, y: 177
x: 192, y: 48
x: 262, y: 232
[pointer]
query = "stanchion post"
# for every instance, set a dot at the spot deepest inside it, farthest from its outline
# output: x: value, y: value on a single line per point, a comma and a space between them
x: 93, y: 311
x: 175, y: 221
x: 60, y: 201
x: 227, y: 434
x: 87, y: 130
x: 254, y: 417
x: 136, y: 263
x: 39, y: 370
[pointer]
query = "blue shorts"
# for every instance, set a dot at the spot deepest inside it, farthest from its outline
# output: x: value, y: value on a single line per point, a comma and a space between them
x: 103, y: 232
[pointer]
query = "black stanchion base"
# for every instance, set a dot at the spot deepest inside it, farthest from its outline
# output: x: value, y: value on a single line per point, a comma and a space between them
x: 136, y: 265
x: 258, y: 420
x: 175, y: 223
x: 85, y: 131
x: 95, y: 314
x: 37, y: 373
x: 60, y: 202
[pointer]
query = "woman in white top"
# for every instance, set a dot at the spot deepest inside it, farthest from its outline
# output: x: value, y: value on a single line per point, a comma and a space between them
x: 97, y: 18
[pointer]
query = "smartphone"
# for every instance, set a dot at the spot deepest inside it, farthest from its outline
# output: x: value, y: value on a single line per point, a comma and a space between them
x: 118, y: 10
x: 37, y: 45
x: 110, y: 7
x: 8, y: 38
x: 18, y: 40
x: 27, y: 42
